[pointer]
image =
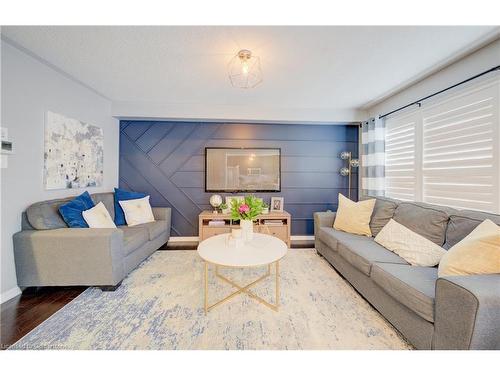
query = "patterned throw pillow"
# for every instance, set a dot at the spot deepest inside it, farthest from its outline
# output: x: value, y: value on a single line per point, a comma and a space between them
x: 412, y: 247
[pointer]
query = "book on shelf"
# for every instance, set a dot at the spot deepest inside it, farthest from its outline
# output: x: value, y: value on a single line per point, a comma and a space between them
x: 216, y: 223
x: 273, y: 222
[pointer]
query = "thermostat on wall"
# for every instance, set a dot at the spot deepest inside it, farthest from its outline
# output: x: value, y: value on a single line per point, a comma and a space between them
x: 7, y: 147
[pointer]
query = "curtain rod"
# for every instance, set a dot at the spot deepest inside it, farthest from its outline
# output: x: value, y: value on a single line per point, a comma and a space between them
x: 439, y: 92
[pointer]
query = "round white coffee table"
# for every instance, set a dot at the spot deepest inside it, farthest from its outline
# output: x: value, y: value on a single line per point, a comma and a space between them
x: 263, y: 250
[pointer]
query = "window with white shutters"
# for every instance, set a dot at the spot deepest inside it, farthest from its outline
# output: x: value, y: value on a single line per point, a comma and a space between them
x: 448, y: 151
x: 460, y: 166
x: 401, y: 157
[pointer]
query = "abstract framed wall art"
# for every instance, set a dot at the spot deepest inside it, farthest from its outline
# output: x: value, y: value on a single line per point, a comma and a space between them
x: 74, y: 156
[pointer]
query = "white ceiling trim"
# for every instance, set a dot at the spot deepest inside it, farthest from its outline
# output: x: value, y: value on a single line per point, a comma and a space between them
x: 234, y: 113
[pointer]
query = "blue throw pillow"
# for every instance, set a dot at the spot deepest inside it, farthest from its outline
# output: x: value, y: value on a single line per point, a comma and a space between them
x: 124, y: 195
x: 72, y: 211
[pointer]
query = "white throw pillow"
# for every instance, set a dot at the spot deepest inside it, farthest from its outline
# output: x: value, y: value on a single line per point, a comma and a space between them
x: 137, y: 211
x: 98, y: 217
x: 412, y: 247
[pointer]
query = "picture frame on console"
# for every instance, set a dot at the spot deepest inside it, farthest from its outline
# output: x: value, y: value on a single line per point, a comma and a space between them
x: 277, y: 204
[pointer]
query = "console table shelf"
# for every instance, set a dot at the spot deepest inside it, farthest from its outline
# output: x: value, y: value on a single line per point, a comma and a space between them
x: 281, y: 231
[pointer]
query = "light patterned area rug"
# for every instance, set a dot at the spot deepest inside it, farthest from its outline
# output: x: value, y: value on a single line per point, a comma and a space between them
x: 160, y: 306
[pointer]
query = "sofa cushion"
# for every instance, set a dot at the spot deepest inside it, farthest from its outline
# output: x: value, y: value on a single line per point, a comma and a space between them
x: 361, y: 252
x: 427, y: 220
x: 45, y: 215
x: 413, y: 287
x: 133, y: 238
x: 155, y: 228
x: 382, y: 213
x: 463, y: 222
x: 327, y: 235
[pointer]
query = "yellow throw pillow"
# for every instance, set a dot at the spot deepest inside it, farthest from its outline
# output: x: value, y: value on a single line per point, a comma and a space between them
x: 476, y: 254
x: 354, y: 217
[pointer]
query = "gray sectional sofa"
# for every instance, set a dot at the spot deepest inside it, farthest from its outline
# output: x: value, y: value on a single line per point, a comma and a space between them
x: 454, y: 312
x: 48, y: 253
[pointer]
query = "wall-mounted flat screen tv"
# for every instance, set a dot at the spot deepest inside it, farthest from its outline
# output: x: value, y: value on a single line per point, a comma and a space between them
x: 242, y: 169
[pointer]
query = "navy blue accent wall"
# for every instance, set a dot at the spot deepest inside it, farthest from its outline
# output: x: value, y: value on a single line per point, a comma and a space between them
x: 166, y: 160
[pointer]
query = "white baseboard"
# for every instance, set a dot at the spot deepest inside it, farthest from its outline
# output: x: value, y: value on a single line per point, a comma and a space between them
x: 9, y: 294
x: 184, y: 239
x: 195, y: 238
x: 302, y: 238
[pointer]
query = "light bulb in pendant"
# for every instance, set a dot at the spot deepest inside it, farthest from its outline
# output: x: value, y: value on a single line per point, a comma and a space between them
x: 244, y: 68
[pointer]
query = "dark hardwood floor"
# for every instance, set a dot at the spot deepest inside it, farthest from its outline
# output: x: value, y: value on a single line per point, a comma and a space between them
x: 23, y: 313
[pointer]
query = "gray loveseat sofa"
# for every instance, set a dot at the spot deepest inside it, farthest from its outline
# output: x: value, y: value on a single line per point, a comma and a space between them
x: 48, y: 253
x: 455, y: 312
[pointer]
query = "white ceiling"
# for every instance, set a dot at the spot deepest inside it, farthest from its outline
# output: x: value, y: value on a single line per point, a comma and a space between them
x: 303, y: 67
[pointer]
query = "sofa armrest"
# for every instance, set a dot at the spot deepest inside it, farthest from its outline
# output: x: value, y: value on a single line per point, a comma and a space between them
x: 69, y: 256
x: 323, y: 219
x: 162, y: 213
x: 467, y: 312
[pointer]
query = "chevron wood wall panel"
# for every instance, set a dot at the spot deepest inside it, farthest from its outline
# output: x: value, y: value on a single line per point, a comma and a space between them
x: 166, y: 160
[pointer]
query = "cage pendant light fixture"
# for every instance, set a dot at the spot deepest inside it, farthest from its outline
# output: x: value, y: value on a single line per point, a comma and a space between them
x: 244, y: 70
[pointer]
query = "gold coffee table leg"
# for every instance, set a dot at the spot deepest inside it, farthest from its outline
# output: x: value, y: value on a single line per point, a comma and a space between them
x: 277, y: 284
x: 206, y: 287
x: 243, y: 289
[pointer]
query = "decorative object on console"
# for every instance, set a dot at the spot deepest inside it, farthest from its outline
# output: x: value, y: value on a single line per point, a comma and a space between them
x: 277, y: 204
x: 137, y: 211
x: 246, y: 211
x: 265, y: 208
x: 123, y: 195
x: 216, y: 202
x: 354, y: 217
x: 73, y: 153
x: 98, y: 217
x: 72, y: 212
x: 347, y: 171
x: 244, y: 70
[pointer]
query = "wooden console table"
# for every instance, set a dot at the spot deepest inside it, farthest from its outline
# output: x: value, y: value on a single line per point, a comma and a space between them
x: 281, y: 231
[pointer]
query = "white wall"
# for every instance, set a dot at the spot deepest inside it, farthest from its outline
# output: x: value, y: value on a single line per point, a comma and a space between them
x: 481, y: 60
x: 29, y: 89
